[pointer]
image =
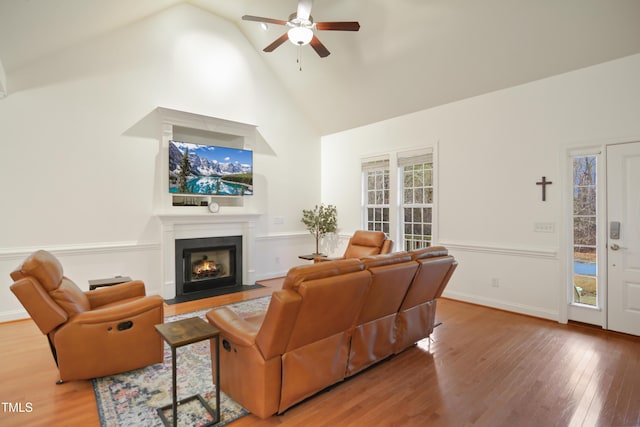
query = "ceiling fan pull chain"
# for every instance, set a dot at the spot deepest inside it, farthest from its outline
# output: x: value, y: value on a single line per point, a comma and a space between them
x: 299, y: 60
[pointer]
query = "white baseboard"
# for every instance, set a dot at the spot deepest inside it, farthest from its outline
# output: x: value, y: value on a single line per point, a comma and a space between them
x: 503, y: 305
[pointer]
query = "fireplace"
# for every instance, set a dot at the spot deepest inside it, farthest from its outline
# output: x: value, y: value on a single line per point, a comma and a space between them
x: 207, y: 264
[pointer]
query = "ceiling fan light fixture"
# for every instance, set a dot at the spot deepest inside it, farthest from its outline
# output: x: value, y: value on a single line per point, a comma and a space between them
x: 300, y: 36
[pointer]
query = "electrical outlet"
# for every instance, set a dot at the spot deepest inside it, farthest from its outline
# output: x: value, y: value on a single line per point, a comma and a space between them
x: 495, y: 283
x: 278, y: 220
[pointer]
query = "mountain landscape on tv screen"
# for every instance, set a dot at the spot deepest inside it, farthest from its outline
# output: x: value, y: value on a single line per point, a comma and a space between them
x: 210, y: 170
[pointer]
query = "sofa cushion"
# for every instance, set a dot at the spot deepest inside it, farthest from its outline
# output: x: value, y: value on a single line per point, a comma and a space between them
x: 70, y: 298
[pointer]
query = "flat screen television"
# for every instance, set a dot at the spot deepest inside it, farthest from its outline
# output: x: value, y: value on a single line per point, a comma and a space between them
x: 209, y: 170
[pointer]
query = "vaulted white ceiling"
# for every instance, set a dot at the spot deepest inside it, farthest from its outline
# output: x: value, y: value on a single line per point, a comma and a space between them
x: 409, y: 55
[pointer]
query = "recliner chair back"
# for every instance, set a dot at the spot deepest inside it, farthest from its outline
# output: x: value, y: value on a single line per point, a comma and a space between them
x: 416, y: 317
x: 47, y: 290
x: 317, y: 348
x: 44, y: 311
x: 365, y: 243
x: 373, y: 337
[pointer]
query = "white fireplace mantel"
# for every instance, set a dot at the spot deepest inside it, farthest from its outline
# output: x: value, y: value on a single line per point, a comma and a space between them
x: 237, y: 214
x: 196, y: 225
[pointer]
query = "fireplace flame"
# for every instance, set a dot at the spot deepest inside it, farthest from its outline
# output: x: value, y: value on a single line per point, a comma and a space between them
x: 205, y: 267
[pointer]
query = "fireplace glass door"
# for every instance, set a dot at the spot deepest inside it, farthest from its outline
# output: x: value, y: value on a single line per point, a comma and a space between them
x: 207, y: 264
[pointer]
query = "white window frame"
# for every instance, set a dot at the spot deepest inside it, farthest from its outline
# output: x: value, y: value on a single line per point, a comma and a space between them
x: 412, y: 158
x: 597, y: 245
x: 595, y: 315
x: 377, y: 166
x: 393, y: 160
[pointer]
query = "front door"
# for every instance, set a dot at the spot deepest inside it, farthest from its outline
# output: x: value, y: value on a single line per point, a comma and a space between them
x: 623, y: 243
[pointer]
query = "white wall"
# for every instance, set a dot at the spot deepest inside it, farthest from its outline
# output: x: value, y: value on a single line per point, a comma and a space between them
x: 3, y: 82
x: 77, y: 180
x: 491, y: 150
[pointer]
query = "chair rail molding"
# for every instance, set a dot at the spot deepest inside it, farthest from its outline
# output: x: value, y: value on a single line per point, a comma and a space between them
x: 80, y: 249
x: 496, y: 249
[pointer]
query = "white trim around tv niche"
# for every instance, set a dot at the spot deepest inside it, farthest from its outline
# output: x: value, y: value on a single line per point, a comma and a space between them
x: 204, y: 129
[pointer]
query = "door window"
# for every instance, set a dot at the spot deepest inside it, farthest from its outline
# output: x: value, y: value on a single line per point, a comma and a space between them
x: 585, y: 230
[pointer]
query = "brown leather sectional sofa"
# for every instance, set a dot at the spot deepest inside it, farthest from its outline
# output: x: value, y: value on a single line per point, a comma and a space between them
x: 329, y: 321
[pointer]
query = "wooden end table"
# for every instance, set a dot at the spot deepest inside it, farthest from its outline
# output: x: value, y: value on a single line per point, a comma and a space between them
x: 311, y: 257
x: 98, y: 283
x: 181, y: 333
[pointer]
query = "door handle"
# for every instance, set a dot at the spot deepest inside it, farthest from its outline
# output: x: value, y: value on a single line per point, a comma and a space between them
x: 616, y: 247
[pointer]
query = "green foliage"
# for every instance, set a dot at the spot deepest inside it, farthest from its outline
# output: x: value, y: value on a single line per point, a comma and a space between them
x: 242, y: 178
x: 320, y: 221
x: 185, y: 170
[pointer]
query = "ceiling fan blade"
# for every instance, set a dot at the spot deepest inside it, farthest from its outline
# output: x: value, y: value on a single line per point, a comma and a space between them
x: 338, y: 26
x: 261, y: 19
x: 283, y: 38
x: 304, y: 9
x: 320, y: 49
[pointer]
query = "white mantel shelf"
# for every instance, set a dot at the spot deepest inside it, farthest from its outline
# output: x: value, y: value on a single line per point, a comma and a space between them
x: 205, y: 217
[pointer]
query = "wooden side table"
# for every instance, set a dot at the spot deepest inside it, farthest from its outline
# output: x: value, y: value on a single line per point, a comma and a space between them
x: 311, y: 257
x: 178, y: 334
x: 98, y: 283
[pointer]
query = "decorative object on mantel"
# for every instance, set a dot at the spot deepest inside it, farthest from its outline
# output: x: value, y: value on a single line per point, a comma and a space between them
x: 213, y: 207
x: 189, y: 201
x: 544, y: 184
x: 320, y: 221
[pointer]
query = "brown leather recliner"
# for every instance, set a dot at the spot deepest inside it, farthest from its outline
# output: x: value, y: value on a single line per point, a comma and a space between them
x: 374, y: 335
x: 364, y: 243
x: 91, y: 334
x: 300, y: 346
x: 416, y: 317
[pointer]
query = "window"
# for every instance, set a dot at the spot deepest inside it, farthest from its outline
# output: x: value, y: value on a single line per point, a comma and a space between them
x: 398, y: 197
x: 585, y: 220
x: 376, y: 205
x: 416, y: 180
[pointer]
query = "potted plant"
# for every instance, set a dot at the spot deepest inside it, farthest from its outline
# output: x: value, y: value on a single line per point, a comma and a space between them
x: 320, y: 221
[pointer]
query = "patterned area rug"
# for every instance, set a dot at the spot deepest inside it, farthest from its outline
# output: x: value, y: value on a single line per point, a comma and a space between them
x: 132, y: 398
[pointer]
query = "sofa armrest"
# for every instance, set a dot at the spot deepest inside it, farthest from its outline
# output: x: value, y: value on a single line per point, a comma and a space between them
x: 110, y: 294
x: 119, y: 312
x: 233, y: 326
x: 109, y: 340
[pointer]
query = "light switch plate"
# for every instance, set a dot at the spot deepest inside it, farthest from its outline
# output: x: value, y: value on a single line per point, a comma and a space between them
x: 544, y: 227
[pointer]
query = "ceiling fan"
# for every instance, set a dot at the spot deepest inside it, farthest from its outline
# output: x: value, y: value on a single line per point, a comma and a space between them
x: 301, y: 28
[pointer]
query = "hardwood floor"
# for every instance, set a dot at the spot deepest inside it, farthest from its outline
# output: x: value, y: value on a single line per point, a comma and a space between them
x: 485, y: 367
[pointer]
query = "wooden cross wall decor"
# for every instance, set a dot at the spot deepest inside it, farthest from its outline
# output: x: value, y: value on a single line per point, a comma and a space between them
x: 544, y: 184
